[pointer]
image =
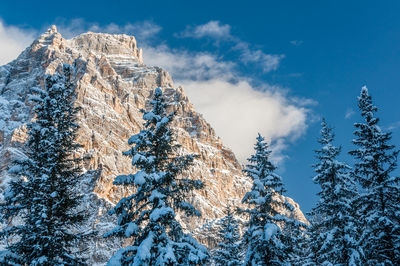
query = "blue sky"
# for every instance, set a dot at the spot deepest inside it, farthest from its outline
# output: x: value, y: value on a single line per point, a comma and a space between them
x: 300, y: 60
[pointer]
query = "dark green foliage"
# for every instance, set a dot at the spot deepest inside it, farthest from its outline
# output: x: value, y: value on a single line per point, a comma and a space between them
x: 44, y: 192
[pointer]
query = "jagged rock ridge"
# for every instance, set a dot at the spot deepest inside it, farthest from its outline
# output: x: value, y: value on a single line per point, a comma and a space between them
x: 113, y: 84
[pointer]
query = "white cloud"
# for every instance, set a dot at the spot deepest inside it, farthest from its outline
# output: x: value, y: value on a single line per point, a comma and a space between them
x: 212, y: 29
x: 238, y: 112
x: 13, y: 41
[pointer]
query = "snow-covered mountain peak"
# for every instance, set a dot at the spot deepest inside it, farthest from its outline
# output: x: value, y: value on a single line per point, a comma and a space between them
x: 50, y: 37
x: 117, y: 46
x: 52, y: 30
x: 112, y: 85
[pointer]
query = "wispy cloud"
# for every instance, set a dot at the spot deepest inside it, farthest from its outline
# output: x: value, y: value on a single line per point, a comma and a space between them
x: 227, y: 98
x: 222, y: 32
x: 188, y: 65
x: 267, y: 62
x: 213, y: 29
x: 393, y: 126
x: 349, y: 113
x: 13, y: 40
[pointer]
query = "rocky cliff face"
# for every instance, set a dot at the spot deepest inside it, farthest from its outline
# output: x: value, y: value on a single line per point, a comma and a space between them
x: 113, y: 83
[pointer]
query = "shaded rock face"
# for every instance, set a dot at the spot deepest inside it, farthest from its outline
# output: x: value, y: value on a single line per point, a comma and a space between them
x: 112, y: 85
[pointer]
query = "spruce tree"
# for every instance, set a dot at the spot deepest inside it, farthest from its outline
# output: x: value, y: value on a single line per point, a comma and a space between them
x: 295, y: 239
x: 266, y: 242
x: 378, y: 204
x: 44, y: 193
x: 149, y: 215
x: 333, y: 237
x: 228, y: 252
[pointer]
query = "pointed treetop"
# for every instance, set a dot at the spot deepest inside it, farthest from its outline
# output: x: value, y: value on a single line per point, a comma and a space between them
x: 327, y: 134
x: 261, y: 146
x: 365, y: 104
x: 364, y: 90
x: 260, y: 138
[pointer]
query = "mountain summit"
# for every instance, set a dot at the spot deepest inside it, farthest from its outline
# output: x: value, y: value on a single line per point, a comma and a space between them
x: 113, y: 84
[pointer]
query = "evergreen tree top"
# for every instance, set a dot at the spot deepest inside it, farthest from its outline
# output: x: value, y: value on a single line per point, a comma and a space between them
x: 328, y: 152
x: 366, y: 106
x: 327, y: 134
x: 374, y: 152
x: 261, y: 169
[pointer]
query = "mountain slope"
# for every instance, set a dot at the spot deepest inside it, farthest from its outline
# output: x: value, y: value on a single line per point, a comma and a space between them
x: 113, y: 84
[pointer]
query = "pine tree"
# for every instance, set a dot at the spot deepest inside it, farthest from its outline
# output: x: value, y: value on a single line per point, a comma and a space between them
x: 266, y: 242
x: 149, y: 215
x: 378, y: 204
x: 228, y: 251
x: 295, y: 240
x: 333, y: 238
x: 44, y: 195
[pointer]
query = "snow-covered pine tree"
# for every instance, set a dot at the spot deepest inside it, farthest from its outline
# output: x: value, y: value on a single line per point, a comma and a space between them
x: 44, y: 194
x: 333, y: 237
x: 295, y: 239
x: 378, y: 205
x: 266, y: 242
x: 149, y: 215
x: 228, y: 252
